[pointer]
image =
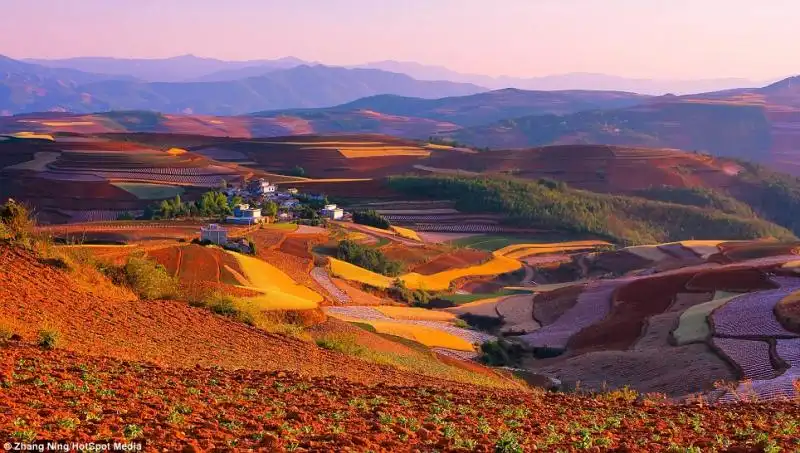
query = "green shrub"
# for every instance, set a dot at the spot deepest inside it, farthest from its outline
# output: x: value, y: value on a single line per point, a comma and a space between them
x: 49, y: 338
x: 368, y: 258
x: 149, y: 279
x: 501, y: 353
x: 346, y: 344
x: 371, y: 218
x: 16, y: 224
x: 226, y: 306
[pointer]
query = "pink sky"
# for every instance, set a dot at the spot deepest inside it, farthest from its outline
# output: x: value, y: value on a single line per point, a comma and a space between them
x: 640, y: 38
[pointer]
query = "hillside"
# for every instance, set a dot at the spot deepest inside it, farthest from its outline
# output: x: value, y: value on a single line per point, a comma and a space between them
x: 549, y: 205
x: 487, y: 107
x: 191, y: 378
x: 756, y: 124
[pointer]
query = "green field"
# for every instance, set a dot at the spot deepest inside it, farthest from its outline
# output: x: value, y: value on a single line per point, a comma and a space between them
x: 146, y: 191
x: 492, y: 242
x: 460, y: 299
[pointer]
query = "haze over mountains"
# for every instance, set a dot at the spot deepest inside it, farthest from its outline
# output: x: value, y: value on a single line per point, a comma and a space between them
x: 190, y: 68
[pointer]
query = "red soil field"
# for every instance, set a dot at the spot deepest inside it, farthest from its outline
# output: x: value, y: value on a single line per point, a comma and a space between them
x: 199, y: 263
x: 633, y: 304
x: 619, y: 262
x: 268, y: 411
x: 99, y: 323
x: 744, y: 279
x: 300, y: 245
x: 169, y: 257
x: 457, y: 259
x: 410, y: 256
x: 737, y: 251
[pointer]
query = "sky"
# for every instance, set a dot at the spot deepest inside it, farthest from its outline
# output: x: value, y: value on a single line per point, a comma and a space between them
x: 665, y: 39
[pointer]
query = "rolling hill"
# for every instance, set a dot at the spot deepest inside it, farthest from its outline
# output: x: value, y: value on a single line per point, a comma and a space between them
x: 486, y: 107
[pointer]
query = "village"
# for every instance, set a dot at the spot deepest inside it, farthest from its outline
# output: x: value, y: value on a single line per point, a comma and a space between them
x: 287, y: 206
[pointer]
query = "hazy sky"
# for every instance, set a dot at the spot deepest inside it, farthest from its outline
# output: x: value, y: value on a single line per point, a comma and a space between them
x: 647, y: 38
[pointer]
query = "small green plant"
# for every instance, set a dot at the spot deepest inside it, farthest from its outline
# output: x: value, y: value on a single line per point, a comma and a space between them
x: 132, y: 432
x: 49, y: 338
x: 68, y: 423
x: 507, y: 443
x: 346, y: 344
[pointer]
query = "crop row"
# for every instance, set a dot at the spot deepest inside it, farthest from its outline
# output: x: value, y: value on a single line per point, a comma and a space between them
x: 320, y: 275
x: 458, y: 228
x: 789, y: 352
x: 177, y: 171
x: 781, y: 388
x: 752, y: 357
x: 593, y: 304
x: 96, y: 215
x: 441, y: 218
x: 751, y: 315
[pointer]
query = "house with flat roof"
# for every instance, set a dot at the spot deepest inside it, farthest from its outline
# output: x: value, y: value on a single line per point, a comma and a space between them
x: 331, y: 211
x: 214, y: 233
x: 243, y: 214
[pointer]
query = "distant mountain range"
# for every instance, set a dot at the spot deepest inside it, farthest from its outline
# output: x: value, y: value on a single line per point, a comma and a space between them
x: 28, y: 87
x: 483, y: 108
x: 190, y: 68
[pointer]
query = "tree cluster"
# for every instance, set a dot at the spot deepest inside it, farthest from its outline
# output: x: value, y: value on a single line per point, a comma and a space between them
x: 371, y: 218
x: 368, y: 258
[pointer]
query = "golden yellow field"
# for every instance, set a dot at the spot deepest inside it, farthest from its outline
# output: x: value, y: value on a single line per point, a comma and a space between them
x: 280, y: 291
x: 435, y: 146
x: 554, y: 246
x: 441, y: 280
x: 381, y: 151
x: 415, y: 313
x: 407, y: 233
x: 428, y: 336
x: 176, y: 151
x: 434, y: 282
x: 354, y: 273
x: 66, y: 123
x: 34, y: 135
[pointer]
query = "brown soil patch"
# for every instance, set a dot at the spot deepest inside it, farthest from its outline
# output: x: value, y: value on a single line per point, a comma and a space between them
x: 734, y: 279
x: 410, y: 256
x: 663, y: 370
x: 788, y: 313
x: 618, y: 262
x: 358, y: 296
x: 457, y: 259
x: 548, y: 306
x: 300, y: 245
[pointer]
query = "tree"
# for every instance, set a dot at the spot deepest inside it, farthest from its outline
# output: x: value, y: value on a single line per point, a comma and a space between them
x: 298, y: 171
x: 270, y: 209
x: 371, y: 218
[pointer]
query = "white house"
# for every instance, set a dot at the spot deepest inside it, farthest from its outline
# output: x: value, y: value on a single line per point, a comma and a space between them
x: 244, y: 214
x: 332, y: 212
x: 261, y: 187
x: 214, y: 233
